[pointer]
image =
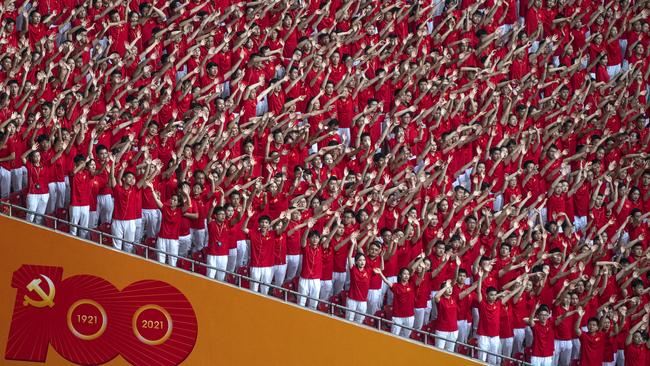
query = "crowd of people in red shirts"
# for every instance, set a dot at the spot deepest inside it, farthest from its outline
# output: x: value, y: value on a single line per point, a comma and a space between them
x: 476, y: 168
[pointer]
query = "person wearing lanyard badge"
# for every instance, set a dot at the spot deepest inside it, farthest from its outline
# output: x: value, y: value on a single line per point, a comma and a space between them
x: 37, y: 190
x: 218, y: 242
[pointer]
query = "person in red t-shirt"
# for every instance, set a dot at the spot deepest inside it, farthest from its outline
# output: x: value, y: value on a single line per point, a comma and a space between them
x: 489, y: 310
x: 447, y: 321
x: 37, y: 190
x: 357, y: 301
x: 262, y: 241
x: 172, y: 214
x: 543, y: 336
x: 127, y: 196
x: 592, y: 343
x: 218, y: 245
x: 80, y: 196
x: 403, y: 301
x: 636, y: 350
x: 312, y: 266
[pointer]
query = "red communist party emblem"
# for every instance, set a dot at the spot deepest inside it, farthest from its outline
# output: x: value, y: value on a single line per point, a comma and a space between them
x: 88, y: 321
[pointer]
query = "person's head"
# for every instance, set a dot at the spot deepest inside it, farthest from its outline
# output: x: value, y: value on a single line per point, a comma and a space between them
x: 360, y: 260
x: 592, y: 325
x: 491, y: 293
x: 543, y: 314
x: 313, y: 238
x: 264, y: 222
x: 220, y: 214
x: 404, y: 275
x: 174, y: 201
x: 462, y: 276
x: 374, y: 249
x: 504, y: 251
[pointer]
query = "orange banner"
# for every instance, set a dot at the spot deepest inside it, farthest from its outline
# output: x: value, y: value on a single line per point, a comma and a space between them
x: 69, y: 302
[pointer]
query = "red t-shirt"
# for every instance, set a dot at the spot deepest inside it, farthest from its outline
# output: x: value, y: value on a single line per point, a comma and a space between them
x: 37, y: 179
x: 261, y: 248
x: 218, y: 238
x: 564, y: 331
x: 404, y: 299
x: 312, y: 262
x: 592, y: 348
x: 126, y: 203
x: 447, y: 315
x: 489, y: 317
x: 171, y: 222
x: 359, y: 284
x: 635, y: 354
x: 543, y: 339
x: 80, y: 189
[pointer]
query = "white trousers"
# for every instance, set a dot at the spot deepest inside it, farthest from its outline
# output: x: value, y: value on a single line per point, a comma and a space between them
x: 541, y: 361
x: 124, y: 231
x: 93, y: 220
x: 463, y: 330
x: 232, y: 260
x: 293, y: 264
x: 385, y: 292
x: 220, y: 262
x: 506, y: 347
x: 488, y: 344
x: 263, y: 275
x: 38, y: 204
x: 279, y: 274
x: 167, y: 246
x: 79, y: 215
x: 199, y: 238
x: 338, y: 282
x: 184, y: 244
x: 325, y: 290
x: 151, y: 219
x: 242, y: 254
x: 446, y: 340
x: 562, y: 353
x: 422, y: 314
x: 18, y: 179
x: 358, y: 309
x: 105, y: 206
x: 57, y: 196
x: 309, y: 287
x: 398, y: 326
x: 374, y: 301
x: 5, y: 182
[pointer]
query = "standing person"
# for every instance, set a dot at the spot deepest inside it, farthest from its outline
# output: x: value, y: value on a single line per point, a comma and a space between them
x: 172, y: 214
x: 8, y: 147
x: 126, y: 196
x: 592, y: 342
x: 636, y: 350
x: 489, y: 310
x: 312, y: 266
x: 105, y: 203
x: 403, y: 301
x: 357, y: 301
x: 280, y: 250
x: 80, y: 196
x: 543, y: 336
x: 447, y: 322
x: 37, y: 190
x: 374, y: 260
x: 218, y: 242
x: 262, y: 240
x: 564, y: 318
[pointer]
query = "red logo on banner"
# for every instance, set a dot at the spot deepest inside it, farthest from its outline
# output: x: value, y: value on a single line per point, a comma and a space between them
x: 89, y: 321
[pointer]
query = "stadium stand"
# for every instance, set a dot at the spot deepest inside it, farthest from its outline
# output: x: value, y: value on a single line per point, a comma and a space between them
x: 478, y: 169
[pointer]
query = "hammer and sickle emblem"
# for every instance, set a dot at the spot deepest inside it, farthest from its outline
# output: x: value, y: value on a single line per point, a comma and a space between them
x: 47, y: 299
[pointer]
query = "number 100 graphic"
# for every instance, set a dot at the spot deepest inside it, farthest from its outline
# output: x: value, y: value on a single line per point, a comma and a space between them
x: 88, y: 321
